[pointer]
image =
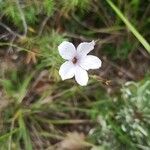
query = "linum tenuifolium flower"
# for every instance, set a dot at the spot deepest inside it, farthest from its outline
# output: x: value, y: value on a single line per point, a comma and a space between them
x: 77, y: 61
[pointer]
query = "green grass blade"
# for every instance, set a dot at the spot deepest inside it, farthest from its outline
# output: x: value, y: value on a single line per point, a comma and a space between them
x: 24, y: 133
x: 24, y: 88
x: 130, y: 26
x: 3, y: 137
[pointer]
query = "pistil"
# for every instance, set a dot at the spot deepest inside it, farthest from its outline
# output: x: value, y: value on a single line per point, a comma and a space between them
x: 74, y: 60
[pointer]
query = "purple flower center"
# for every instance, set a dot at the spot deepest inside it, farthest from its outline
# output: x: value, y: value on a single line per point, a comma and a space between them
x: 74, y: 60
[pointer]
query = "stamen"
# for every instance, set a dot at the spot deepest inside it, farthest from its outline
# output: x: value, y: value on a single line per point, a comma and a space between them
x: 74, y: 60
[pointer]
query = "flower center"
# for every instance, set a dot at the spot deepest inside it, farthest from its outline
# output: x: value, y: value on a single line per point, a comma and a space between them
x: 74, y: 60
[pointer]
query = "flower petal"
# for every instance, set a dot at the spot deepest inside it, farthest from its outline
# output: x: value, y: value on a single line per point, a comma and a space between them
x: 90, y: 62
x: 81, y: 76
x: 67, y: 50
x: 85, y: 47
x: 67, y: 70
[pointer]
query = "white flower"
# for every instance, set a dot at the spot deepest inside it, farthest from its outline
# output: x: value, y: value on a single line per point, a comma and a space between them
x: 78, y: 62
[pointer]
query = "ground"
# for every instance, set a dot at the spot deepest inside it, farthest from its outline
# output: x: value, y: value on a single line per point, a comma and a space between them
x: 39, y: 111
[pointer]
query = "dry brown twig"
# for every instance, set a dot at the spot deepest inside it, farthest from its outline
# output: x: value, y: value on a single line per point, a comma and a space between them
x: 15, y: 34
x: 43, y: 25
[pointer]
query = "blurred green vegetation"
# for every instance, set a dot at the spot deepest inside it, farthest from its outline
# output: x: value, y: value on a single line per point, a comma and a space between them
x: 38, y: 110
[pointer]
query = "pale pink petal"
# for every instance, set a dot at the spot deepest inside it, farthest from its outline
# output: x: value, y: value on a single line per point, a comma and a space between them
x: 84, y: 48
x: 67, y: 70
x: 90, y: 62
x: 67, y: 50
x: 81, y: 76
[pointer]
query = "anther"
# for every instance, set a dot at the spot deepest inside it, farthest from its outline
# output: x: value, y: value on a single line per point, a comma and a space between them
x: 74, y: 60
